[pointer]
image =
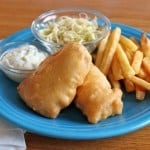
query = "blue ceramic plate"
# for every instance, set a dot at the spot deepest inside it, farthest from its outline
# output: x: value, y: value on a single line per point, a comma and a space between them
x: 71, y: 124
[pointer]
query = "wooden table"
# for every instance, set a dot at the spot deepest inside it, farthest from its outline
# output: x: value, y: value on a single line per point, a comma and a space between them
x: 18, y: 14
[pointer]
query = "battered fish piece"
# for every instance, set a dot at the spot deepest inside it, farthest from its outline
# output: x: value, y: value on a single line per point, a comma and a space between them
x: 96, y: 99
x: 53, y: 86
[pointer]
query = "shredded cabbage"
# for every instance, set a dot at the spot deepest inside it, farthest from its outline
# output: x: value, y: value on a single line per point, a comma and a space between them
x: 66, y: 29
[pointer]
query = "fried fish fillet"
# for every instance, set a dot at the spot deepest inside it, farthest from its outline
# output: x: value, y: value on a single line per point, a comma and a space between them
x: 96, y: 99
x: 53, y: 85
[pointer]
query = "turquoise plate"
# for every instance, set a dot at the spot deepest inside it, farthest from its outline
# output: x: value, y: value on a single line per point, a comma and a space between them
x: 71, y: 124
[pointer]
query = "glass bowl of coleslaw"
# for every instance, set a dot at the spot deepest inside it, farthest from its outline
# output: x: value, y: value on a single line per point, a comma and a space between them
x: 58, y: 27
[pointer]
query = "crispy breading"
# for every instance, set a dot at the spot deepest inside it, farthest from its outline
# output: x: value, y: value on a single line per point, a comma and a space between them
x: 53, y: 85
x: 96, y: 99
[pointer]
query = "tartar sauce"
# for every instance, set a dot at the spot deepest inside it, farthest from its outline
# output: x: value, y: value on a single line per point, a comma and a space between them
x: 24, y: 57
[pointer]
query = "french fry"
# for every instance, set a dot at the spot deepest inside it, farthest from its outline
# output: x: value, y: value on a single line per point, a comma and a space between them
x: 114, y: 83
x: 127, y: 43
x: 145, y: 45
x: 135, y: 42
x: 129, y: 54
x: 146, y: 64
x: 140, y: 82
x: 116, y: 69
x: 129, y: 47
x: 147, y: 78
x: 142, y: 73
x: 110, y: 50
x: 127, y: 70
x: 129, y: 85
x: 101, y: 48
x: 137, y: 61
x: 140, y: 92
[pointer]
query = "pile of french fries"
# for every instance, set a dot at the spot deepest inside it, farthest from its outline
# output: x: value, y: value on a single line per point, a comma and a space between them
x: 126, y: 60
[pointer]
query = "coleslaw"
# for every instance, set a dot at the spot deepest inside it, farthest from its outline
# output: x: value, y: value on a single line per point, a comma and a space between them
x: 66, y: 29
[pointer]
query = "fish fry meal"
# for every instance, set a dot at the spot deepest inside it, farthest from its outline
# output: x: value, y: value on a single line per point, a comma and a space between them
x: 94, y: 85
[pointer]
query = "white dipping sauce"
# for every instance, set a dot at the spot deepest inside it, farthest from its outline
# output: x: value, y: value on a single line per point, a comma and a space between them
x: 25, y: 57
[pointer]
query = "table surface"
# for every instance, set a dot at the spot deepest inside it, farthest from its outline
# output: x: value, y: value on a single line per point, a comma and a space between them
x: 18, y: 14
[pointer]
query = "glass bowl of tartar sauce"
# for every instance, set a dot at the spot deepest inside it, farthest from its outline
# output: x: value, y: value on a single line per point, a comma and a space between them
x: 19, y: 59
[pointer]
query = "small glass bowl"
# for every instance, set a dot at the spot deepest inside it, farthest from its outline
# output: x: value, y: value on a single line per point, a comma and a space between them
x: 44, y: 19
x: 15, y: 74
